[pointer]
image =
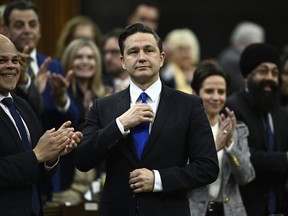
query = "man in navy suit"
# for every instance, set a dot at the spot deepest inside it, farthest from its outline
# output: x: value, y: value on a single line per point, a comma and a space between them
x: 21, y: 170
x: 179, y: 154
x: 22, y: 26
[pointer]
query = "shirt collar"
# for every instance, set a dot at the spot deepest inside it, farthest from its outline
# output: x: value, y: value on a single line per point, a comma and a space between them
x: 153, y: 91
x: 2, y: 96
x: 33, y: 55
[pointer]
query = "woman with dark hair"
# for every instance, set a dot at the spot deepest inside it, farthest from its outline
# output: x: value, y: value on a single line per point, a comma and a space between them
x: 221, y: 197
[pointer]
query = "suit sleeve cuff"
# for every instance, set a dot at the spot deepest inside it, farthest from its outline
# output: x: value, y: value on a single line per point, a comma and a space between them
x: 228, y: 149
x: 66, y: 107
x: 121, y: 127
x: 48, y: 168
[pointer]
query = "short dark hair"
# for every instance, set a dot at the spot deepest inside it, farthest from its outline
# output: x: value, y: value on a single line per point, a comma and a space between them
x: 205, y: 69
x: 114, y: 33
x: 149, y: 3
x: 135, y: 28
x: 19, y: 5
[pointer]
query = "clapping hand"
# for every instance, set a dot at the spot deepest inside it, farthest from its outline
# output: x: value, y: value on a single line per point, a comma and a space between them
x: 231, y: 116
x: 225, y: 133
x: 24, y: 61
x: 60, y: 86
x: 55, y: 143
x: 43, y: 75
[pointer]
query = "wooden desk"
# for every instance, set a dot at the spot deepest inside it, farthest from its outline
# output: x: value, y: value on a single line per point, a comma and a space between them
x: 83, y: 209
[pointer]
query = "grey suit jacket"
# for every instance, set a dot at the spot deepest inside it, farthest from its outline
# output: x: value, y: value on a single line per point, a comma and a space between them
x: 236, y: 169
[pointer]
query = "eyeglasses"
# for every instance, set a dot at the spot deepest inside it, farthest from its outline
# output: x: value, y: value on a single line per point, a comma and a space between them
x: 113, y: 52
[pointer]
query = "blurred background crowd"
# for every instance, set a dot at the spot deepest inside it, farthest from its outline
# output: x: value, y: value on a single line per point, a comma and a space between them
x: 76, y: 33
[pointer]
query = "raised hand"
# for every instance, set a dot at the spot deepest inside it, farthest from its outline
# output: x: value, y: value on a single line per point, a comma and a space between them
x: 231, y: 116
x: 42, y: 76
x: 136, y: 115
x: 52, y: 142
x: 59, y: 86
x: 24, y: 60
x: 75, y: 139
x: 223, y: 131
x: 55, y: 143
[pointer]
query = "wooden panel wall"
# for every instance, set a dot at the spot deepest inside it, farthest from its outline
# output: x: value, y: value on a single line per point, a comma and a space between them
x: 54, y: 15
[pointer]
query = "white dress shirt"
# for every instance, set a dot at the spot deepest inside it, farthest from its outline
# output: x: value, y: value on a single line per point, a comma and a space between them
x: 34, y: 63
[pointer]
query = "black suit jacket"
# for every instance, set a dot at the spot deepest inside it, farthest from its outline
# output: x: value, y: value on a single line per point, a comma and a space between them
x: 180, y: 132
x: 33, y: 97
x: 19, y: 169
x: 268, y: 166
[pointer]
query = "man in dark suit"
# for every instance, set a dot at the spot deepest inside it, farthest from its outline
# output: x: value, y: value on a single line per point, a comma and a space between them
x: 179, y: 154
x: 22, y: 26
x: 258, y: 107
x: 22, y: 167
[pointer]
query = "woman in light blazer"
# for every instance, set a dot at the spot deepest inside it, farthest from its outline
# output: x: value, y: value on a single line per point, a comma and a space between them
x: 221, y: 197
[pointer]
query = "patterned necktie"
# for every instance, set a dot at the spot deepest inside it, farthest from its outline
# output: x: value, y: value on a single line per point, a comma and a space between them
x: 9, y: 103
x: 271, y: 148
x: 141, y: 132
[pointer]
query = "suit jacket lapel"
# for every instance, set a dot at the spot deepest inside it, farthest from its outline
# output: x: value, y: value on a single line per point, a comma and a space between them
x: 28, y: 123
x: 123, y: 104
x: 164, y: 107
x: 9, y: 124
x: 40, y: 59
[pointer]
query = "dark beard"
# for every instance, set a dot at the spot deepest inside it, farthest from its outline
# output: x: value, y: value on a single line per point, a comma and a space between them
x: 264, y: 102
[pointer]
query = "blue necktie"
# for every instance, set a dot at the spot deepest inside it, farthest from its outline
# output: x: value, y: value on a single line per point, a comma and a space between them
x: 9, y: 103
x: 141, y: 132
x: 271, y: 148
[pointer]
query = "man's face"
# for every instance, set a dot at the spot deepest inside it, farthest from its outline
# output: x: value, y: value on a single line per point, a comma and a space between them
x: 112, y: 57
x: 24, y: 29
x: 9, y: 66
x: 147, y: 15
x: 263, y: 83
x: 142, y: 58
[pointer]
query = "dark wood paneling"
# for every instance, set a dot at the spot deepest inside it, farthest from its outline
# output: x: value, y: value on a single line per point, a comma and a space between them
x: 54, y: 15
